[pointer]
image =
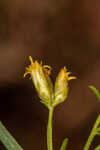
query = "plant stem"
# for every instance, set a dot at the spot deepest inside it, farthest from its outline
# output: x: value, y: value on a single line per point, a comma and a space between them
x: 92, y: 134
x: 49, y: 130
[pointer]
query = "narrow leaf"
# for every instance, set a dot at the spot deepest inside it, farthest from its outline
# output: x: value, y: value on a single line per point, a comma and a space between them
x: 95, y: 91
x: 97, y: 148
x: 7, y: 139
x: 64, y: 144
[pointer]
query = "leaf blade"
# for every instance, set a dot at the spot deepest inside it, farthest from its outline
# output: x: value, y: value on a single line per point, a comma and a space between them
x: 97, y: 148
x: 95, y: 91
x: 7, y: 139
x: 64, y: 144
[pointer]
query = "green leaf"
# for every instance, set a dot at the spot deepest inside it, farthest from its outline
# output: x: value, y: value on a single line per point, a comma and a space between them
x: 97, y: 148
x: 64, y: 144
x: 95, y: 91
x: 8, y: 140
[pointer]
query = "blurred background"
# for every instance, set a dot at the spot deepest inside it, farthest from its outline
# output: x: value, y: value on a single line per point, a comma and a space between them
x: 60, y: 33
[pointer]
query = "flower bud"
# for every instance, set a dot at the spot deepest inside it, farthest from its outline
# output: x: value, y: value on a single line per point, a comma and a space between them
x: 61, y: 86
x: 40, y: 77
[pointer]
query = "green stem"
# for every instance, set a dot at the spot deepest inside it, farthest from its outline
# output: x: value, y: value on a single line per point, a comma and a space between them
x: 49, y: 130
x: 92, y: 134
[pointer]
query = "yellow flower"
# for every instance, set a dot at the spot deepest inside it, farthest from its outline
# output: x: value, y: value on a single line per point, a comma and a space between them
x: 40, y: 75
x: 61, y: 86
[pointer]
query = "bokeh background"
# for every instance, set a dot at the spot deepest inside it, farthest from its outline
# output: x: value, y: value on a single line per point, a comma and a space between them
x: 60, y: 33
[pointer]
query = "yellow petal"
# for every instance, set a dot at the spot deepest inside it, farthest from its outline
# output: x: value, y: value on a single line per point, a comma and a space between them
x: 70, y: 78
x: 31, y: 60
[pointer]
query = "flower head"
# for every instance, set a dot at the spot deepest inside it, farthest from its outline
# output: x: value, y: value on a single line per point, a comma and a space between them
x: 61, y: 86
x: 40, y: 75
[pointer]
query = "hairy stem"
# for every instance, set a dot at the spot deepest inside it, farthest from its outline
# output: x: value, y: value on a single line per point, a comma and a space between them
x: 92, y: 134
x: 49, y: 130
